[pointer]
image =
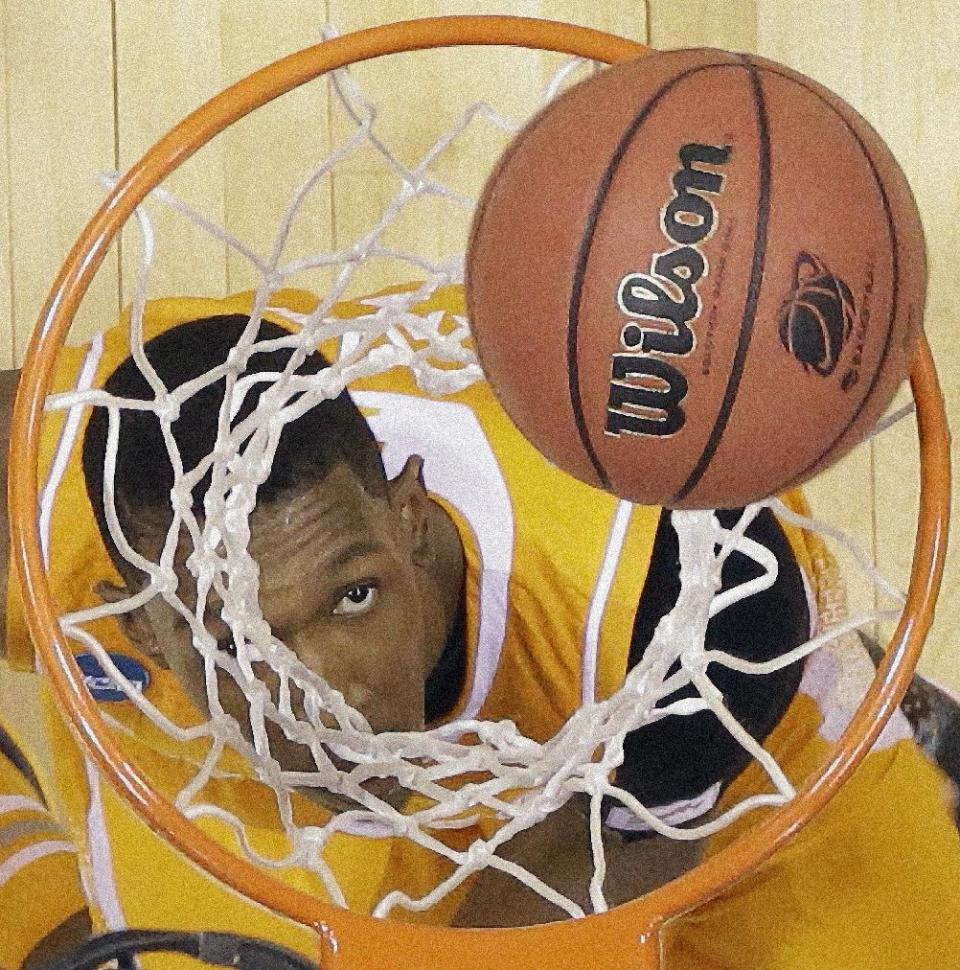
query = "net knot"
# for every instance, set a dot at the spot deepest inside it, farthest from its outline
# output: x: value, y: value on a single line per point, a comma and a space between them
x: 235, y: 358
x: 694, y: 660
x: 166, y: 583
x: 595, y: 778
x: 168, y: 409
x: 274, y: 280
x: 180, y: 498
x: 477, y: 855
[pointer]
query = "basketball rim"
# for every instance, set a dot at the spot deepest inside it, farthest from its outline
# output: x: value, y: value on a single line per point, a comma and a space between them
x: 625, y: 936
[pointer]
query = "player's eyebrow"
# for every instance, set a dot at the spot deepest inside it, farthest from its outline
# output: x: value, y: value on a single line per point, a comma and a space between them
x: 353, y: 550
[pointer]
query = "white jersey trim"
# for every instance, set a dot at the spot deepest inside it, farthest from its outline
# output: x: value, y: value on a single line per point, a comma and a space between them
x: 104, y: 887
x: 676, y: 813
x: 20, y: 803
x: 598, y: 602
x: 836, y: 677
x: 30, y: 854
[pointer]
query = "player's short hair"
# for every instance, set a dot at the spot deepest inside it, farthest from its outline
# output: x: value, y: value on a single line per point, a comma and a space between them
x: 332, y: 433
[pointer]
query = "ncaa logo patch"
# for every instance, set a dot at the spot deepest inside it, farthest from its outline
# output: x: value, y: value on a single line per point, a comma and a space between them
x: 102, y: 686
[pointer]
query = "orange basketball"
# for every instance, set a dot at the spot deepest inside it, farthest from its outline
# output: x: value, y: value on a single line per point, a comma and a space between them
x: 696, y: 279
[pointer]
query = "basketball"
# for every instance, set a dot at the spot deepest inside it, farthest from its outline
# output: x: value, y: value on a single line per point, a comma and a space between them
x: 696, y: 279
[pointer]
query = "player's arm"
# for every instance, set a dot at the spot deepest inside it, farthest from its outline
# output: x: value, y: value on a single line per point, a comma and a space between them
x: 43, y: 911
x: 683, y: 763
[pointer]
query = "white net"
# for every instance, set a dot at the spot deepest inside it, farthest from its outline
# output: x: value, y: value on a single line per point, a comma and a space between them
x: 460, y: 772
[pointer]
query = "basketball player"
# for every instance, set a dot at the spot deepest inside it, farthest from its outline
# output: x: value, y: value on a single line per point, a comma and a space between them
x: 388, y: 583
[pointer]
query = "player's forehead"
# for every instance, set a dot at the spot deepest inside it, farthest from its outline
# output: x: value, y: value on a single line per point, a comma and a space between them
x: 319, y: 531
x: 337, y: 506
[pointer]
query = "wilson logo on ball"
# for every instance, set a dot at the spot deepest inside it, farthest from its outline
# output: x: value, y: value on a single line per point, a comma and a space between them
x: 816, y: 320
x: 646, y: 390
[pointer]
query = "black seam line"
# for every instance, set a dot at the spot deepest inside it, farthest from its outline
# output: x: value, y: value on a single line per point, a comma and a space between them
x: 583, y: 256
x: 895, y: 268
x: 749, y: 318
x: 10, y: 750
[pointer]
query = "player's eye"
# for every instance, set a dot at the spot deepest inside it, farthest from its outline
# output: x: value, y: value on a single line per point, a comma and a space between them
x: 357, y: 599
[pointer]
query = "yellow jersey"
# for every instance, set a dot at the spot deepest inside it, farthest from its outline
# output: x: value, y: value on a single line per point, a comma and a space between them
x: 549, y: 623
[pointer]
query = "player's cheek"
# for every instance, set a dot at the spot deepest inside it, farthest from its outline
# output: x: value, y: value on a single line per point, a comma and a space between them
x: 385, y: 680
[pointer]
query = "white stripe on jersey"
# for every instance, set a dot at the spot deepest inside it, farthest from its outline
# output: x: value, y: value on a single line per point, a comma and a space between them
x: 31, y: 853
x: 104, y: 889
x: 20, y: 803
x: 598, y: 602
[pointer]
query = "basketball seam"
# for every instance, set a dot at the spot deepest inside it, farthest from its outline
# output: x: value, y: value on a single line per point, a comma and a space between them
x: 895, y: 261
x: 583, y: 257
x: 748, y: 320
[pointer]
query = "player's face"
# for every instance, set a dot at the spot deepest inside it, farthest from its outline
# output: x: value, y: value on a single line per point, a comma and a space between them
x: 342, y: 585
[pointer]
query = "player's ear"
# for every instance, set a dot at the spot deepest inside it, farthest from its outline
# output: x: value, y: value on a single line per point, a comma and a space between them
x: 135, y: 624
x: 408, y: 497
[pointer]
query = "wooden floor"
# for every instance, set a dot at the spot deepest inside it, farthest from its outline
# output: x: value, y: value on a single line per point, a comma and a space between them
x: 90, y: 84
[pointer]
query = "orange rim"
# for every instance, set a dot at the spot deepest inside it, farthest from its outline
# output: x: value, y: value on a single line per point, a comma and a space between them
x: 626, y: 935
